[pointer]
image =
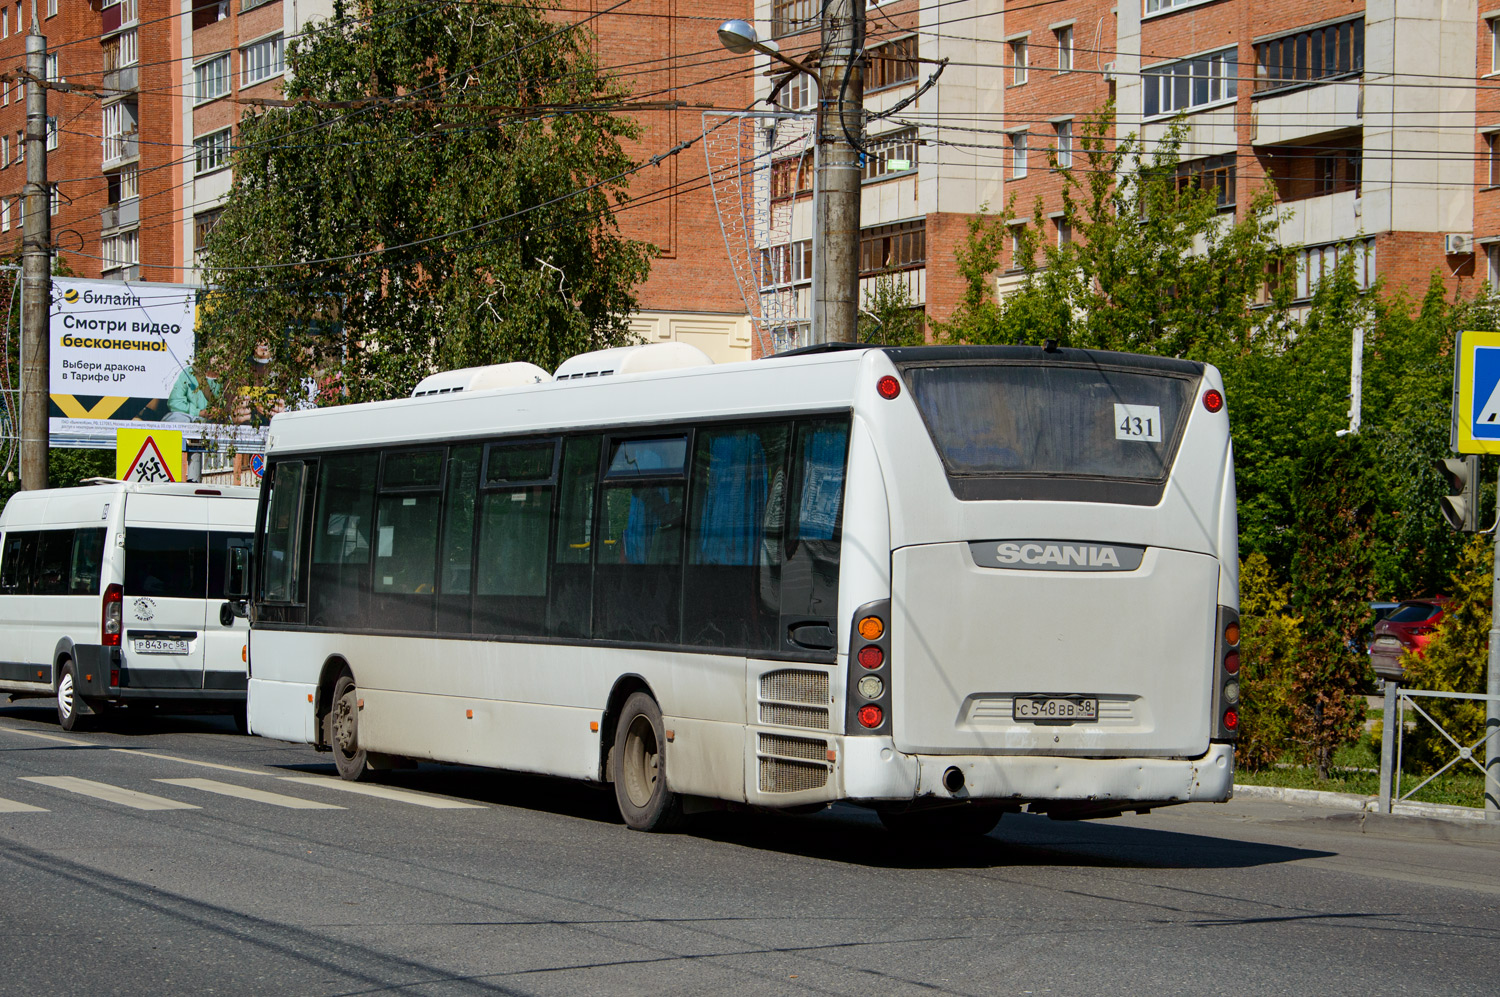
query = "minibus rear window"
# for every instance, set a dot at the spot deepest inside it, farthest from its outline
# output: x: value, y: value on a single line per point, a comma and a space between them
x: 1062, y: 431
x: 166, y: 564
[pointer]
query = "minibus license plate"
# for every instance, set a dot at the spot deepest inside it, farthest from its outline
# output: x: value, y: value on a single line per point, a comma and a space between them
x: 1056, y: 709
x: 156, y: 645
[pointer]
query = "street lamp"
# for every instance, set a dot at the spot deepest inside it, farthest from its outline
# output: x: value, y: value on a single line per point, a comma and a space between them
x: 740, y: 38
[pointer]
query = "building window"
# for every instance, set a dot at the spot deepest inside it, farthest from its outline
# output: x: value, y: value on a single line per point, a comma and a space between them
x: 786, y: 264
x: 884, y: 248
x: 4, y: 151
x: 114, y: 18
x: 20, y: 147
x: 1317, y: 262
x: 1216, y: 173
x: 1018, y: 144
x: 212, y: 152
x: 203, y: 224
x: 119, y: 131
x: 123, y: 185
x: 1190, y: 83
x: 1323, y: 53
x: 1494, y: 26
x: 1302, y: 171
x: 51, y: 133
x: 1152, y: 6
x: 1018, y: 62
x: 892, y: 63
x: 1492, y: 259
x: 1018, y: 245
x: 211, y: 78
x: 796, y: 95
x: 1064, y: 145
x: 792, y: 176
x: 51, y: 8
x: 121, y: 250
x: 53, y: 72
x: 261, y: 61
x: 206, y: 12
x: 5, y: 29
x: 1064, y: 38
x: 120, y: 51
x: 54, y: 199
x: 4, y: 214
x: 788, y: 16
x: 891, y: 154
x: 1064, y: 231
x: 1492, y: 141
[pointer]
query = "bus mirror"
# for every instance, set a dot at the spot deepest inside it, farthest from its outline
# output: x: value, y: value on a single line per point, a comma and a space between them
x: 236, y: 567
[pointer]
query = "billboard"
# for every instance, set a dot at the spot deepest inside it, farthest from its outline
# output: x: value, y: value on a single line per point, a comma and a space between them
x: 122, y: 358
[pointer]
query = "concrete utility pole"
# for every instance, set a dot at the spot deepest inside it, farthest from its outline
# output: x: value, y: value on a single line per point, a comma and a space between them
x: 36, y: 269
x: 841, y: 85
x: 1492, y: 689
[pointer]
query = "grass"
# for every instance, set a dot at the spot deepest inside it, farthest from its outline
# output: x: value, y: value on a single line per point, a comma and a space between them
x: 1356, y: 769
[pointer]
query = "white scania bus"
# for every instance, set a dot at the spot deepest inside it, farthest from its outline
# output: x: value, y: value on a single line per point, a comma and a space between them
x: 946, y: 582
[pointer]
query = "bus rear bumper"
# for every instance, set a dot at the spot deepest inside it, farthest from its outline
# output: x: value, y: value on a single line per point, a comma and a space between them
x: 872, y: 769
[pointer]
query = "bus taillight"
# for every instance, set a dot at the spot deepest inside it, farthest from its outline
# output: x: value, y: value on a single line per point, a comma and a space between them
x: 1232, y: 662
x: 1231, y: 719
x: 868, y: 702
x: 871, y: 716
x: 871, y: 656
x: 111, y: 622
x: 1226, y: 677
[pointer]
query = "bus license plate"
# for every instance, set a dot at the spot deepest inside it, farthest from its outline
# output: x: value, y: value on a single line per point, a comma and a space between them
x: 1056, y: 709
x: 155, y: 645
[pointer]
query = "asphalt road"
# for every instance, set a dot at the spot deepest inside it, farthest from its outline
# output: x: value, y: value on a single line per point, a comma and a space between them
x: 464, y: 881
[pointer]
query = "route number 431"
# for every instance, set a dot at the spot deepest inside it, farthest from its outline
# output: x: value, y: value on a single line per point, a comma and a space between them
x: 1141, y: 423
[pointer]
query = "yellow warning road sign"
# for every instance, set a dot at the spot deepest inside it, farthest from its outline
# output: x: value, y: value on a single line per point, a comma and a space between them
x: 150, y: 455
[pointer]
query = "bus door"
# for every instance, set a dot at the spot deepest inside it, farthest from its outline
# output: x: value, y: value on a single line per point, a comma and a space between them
x: 225, y: 645
x: 165, y: 592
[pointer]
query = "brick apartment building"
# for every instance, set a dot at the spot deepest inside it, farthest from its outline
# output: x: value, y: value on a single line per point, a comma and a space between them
x: 1376, y: 121
x: 139, y: 155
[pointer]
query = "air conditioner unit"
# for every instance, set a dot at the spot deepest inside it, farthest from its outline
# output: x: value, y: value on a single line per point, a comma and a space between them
x: 1109, y: 72
x: 1458, y: 243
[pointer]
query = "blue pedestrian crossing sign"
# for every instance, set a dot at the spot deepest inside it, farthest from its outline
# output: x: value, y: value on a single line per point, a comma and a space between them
x: 1476, y: 393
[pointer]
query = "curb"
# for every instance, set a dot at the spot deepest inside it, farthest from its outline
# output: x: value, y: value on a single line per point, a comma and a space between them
x: 1354, y: 801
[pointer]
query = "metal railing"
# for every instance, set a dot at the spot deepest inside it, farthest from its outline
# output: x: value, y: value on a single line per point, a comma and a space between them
x: 1397, y: 700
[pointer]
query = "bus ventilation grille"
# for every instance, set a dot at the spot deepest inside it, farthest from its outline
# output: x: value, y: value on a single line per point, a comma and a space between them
x: 793, y: 716
x: 792, y: 764
x: 795, y: 687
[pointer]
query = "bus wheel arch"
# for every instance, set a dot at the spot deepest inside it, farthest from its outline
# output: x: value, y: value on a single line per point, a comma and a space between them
x: 625, y: 686
x: 327, y: 678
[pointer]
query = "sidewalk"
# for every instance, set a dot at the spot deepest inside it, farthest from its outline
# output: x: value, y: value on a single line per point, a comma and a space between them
x: 1354, y: 801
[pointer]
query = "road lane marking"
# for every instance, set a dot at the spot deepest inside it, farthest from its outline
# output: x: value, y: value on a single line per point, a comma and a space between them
x: 189, y: 761
x: 108, y: 793
x: 383, y: 792
x: 246, y: 793
x: 47, y: 737
x: 12, y: 807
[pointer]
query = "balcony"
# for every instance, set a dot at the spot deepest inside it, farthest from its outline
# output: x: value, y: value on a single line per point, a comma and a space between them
x: 124, y: 80
x: 120, y: 215
x: 1307, y: 113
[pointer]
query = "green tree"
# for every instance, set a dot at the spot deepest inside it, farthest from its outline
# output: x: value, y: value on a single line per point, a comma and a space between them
x: 889, y: 316
x: 1270, y: 647
x: 1153, y: 266
x: 438, y: 192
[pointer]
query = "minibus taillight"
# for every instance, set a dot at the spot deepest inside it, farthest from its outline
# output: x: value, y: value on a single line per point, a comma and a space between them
x: 888, y: 387
x: 112, y: 620
x: 1213, y: 400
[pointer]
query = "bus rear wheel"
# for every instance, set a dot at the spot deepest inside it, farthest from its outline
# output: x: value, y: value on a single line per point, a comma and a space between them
x: 638, y: 768
x: 343, y: 730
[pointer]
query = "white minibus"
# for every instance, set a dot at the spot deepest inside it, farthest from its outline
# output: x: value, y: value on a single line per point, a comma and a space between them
x: 112, y: 593
x: 943, y: 582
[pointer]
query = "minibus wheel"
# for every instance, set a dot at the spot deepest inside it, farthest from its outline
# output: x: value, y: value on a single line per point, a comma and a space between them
x: 638, y: 768
x: 67, y: 698
x: 343, y: 728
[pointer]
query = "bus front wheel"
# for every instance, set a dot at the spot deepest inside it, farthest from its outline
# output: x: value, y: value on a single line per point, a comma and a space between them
x: 343, y: 730
x: 638, y: 768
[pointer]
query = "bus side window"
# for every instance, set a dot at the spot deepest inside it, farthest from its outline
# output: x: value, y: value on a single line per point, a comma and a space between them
x: 339, y: 590
x: 456, y: 581
x: 406, y: 539
x: 88, y: 558
x: 515, y: 522
x: 279, y: 575
x: 20, y: 558
x: 810, y: 579
x: 54, y: 561
x: 731, y: 590
x: 570, y: 599
x: 638, y: 567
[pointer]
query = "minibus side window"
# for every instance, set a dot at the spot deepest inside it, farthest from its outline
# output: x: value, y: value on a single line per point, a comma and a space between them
x: 54, y: 561
x: 20, y: 559
x: 88, y: 559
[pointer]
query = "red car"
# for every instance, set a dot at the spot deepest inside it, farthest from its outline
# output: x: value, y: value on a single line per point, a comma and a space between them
x: 1408, y: 628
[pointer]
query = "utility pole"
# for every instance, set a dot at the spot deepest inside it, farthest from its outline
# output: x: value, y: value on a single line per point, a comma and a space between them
x: 841, y: 101
x: 36, y: 269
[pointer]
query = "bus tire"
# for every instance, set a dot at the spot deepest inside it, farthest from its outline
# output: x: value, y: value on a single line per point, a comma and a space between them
x: 638, y: 768
x: 952, y: 823
x: 67, y: 699
x: 343, y: 731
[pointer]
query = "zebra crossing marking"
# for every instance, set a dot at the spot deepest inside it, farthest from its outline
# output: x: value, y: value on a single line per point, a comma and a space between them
x: 246, y: 793
x: 383, y: 792
x: 109, y: 794
x: 13, y: 807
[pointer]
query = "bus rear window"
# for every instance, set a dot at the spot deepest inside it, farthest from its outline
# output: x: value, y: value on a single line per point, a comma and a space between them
x: 1051, y: 430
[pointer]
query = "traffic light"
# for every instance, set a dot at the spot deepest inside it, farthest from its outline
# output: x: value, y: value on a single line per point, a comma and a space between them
x: 1461, y: 506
